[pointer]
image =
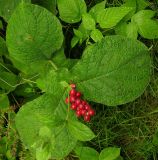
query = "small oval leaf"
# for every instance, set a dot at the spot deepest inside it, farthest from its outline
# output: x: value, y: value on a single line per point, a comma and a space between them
x: 80, y: 131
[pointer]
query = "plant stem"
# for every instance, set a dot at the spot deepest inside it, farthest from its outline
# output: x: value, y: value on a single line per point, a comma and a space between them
x: 53, y: 64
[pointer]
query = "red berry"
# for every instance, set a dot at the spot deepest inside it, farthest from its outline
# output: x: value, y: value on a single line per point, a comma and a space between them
x: 91, y: 112
x: 72, y: 99
x: 83, y: 111
x: 73, y: 106
x: 87, y: 107
x: 73, y: 92
x: 79, y: 113
x: 78, y: 101
x: 67, y: 100
x: 78, y: 94
x: 87, y: 118
x: 73, y: 85
x: 84, y: 102
x: 80, y: 106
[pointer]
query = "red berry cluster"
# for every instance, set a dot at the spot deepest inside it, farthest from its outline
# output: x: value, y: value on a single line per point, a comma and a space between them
x: 81, y: 107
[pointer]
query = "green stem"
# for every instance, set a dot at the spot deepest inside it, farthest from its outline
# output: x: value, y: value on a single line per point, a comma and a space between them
x: 53, y: 64
x: 5, y: 68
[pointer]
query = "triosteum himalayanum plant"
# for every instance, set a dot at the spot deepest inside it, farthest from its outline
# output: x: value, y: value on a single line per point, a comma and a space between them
x: 113, y: 70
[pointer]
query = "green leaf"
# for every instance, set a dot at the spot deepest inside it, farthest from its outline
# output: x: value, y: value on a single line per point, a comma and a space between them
x: 48, y: 4
x: 38, y: 35
x: 110, y: 153
x: 94, y: 11
x: 54, y: 82
x: 147, y: 27
x: 114, y: 71
x: 142, y: 4
x: 78, y: 33
x: 119, y: 158
x: 85, y: 153
x: 88, y: 21
x: 85, y: 32
x: 96, y: 35
x: 60, y: 60
x: 71, y: 11
x: 80, y: 131
x: 129, y: 30
x: 74, y: 41
x: 3, y: 47
x: 4, y: 102
x: 132, y: 4
x: 8, y: 81
x: 109, y: 17
x: 7, y: 7
x: 49, y: 111
x: 1, y: 24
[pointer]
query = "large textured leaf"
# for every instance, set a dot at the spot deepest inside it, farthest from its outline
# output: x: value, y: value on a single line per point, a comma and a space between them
x: 3, y: 48
x: 113, y: 71
x: 109, y: 17
x: 49, y: 111
x: 80, y: 131
x: 85, y: 153
x: 38, y: 35
x: 8, y: 6
x: 110, y: 153
x: 147, y: 27
x: 71, y: 10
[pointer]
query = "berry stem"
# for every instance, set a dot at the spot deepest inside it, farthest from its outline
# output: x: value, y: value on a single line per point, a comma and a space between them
x: 68, y: 110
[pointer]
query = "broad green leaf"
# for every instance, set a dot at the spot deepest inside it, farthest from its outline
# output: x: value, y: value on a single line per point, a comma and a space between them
x: 38, y: 35
x: 88, y: 21
x: 94, y: 11
x: 71, y: 11
x: 80, y: 131
x: 48, y: 4
x: 147, y: 26
x: 109, y: 17
x: 45, y: 132
x: 85, y: 153
x: 8, y: 81
x: 129, y: 30
x: 3, y: 47
x: 113, y: 71
x: 7, y: 7
x: 49, y: 111
x: 132, y: 4
x: 142, y: 4
x: 96, y: 35
x: 110, y: 153
x: 4, y: 102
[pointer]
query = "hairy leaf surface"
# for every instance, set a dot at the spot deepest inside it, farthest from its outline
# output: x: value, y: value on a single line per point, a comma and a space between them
x: 113, y: 71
